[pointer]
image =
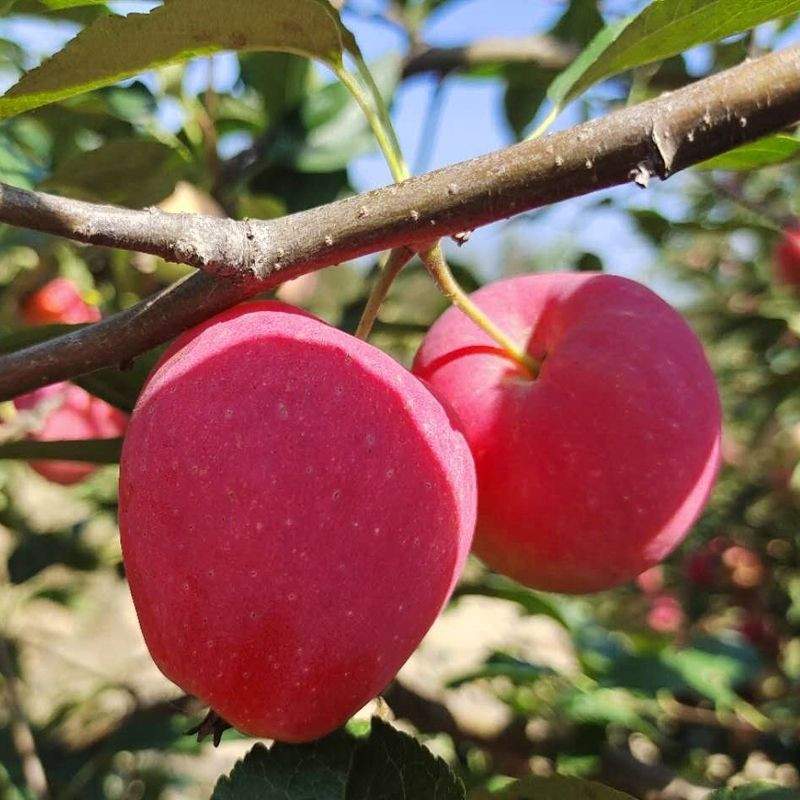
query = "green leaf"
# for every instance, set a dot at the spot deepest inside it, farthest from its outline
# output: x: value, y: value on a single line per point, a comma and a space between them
x: 59, y: 4
x: 386, y: 765
x: 127, y: 172
x: 501, y: 665
x: 121, y: 387
x: 81, y: 11
x: 555, y: 787
x: 92, y: 451
x: 715, y: 667
x: 580, y: 23
x: 282, y: 80
x: 763, y: 153
x: 604, y: 706
x: 114, y: 48
x: 390, y: 765
x: 557, y: 607
x: 662, y: 29
x: 37, y: 552
x: 755, y: 791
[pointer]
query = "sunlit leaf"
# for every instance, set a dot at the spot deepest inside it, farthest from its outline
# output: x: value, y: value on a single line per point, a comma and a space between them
x: 385, y: 765
x: 663, y: 28
x: 762, y: 153
x: 114, y: 47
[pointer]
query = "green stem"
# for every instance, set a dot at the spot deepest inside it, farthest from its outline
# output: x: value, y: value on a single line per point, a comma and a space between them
x: 434, y: 260
x: 395, y: 261
x: 545, y: 124
x: 384, y: 133
x: 383, y: 113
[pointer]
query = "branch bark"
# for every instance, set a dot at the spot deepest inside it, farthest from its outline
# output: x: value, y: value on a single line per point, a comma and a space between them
x: 653, y: 139
x: 545, y: 51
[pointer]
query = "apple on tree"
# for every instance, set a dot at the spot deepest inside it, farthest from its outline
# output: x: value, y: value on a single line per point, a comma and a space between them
x: 594, y: 469
x: 787, y: 257
x: 295, y: 508
x: 68, y: 412
x: 58, y: 301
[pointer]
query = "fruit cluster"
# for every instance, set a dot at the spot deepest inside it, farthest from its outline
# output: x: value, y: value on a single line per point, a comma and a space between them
x: 295, y: 507
x: 67, y: 412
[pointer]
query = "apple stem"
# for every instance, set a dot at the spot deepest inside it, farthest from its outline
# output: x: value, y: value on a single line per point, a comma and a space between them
x: 389, y: 270
x: 434, y: 260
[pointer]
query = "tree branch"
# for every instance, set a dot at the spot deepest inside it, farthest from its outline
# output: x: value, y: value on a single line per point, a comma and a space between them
x: 657, y: 138
x: 545, y: 51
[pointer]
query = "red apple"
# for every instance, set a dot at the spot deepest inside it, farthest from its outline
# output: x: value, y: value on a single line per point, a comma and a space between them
x: 787, y: 257
x: 295, y: 509
x: 594, y: 470
x: 69, y: 413
x: 58, y: 301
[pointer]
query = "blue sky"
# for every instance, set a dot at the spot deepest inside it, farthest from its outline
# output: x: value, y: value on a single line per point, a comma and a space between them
x: 470, y: 123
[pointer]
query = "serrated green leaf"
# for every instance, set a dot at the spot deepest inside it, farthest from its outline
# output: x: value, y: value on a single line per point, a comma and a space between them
x: 92, y: 451
x: 663, y: 29
x: 386, y: 765
x: 755, y: 155
x: 113, y: 48
x: 390, y: 765
x: 555, y: 787
x: 314, y: 771
x: 125, y: 172
x: 756, y: 791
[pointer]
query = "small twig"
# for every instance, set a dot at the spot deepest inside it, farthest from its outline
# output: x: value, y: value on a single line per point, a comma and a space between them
x: 395, y: 262
x: 545, y: 51
x: 434, y: 260
x: 21, y: 734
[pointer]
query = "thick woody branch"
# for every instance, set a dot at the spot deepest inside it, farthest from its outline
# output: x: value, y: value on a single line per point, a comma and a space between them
x: 542, y: 50
x: 652, y: 139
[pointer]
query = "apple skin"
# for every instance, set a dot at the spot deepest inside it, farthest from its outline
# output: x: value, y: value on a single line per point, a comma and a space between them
x: 73, y: 414
x: 594, y: 471
x: 295, y: 509
x: 786, y: 260
x: 58, y: 301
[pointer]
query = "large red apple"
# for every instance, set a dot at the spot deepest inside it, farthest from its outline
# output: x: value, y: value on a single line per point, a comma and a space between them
x: 594, y: 470
x: 69, y: 412
x: 295, y: 509
x: 787, y: 257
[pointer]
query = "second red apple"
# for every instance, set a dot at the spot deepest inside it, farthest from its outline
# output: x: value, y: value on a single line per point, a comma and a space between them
x: 594, y: 470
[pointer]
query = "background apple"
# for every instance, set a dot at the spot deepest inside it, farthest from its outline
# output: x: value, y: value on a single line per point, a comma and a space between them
x: 295, y: 508
x: 68, y: 412
x: 594, y: 470
x: 786, y: 261
x: 59, y: 300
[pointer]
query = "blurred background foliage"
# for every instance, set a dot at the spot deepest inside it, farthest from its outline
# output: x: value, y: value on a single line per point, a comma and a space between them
x: 688, y: 678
